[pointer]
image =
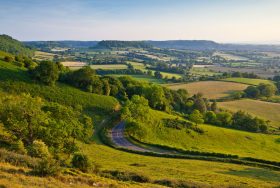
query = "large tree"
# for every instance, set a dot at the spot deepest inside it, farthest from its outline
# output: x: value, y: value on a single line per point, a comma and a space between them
x: 46, y: 72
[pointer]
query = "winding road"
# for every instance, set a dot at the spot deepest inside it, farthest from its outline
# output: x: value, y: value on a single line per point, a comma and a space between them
x: 119, y: 139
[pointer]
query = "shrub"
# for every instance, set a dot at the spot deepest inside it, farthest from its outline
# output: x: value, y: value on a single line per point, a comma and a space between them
x: 81, y: 162
x: 39, y: 149
x: 18, y: 147
x: 17, y: 159
x: 126, y: 176
x: 46, y: 167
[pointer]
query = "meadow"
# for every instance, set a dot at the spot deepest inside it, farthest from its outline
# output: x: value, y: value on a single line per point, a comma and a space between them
x: 144, y: 78
x: 39, y: 55
x: 214, y: 139
x: 267, y: 110
x: 249, y: 81
x: 210, y: 89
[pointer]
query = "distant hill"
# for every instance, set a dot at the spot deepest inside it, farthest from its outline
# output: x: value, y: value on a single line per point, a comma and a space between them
x: 108, y: 44
x: 170, y: 44
x: 211, y: 45
x: 48, y: 45
x: 185, y: 44
x: 13, y: 46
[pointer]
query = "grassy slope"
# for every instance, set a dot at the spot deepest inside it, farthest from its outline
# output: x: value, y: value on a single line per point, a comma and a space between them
x: 249, y: 81
x: 266, y: 110
x: 16, y: 80
x: 215, y: 139
x: 211, y: 173
x: 16, y: 177
x: 210, y: 89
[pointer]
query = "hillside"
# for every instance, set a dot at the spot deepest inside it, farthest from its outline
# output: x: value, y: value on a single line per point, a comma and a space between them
x: 213, y: 139
x: 108, y: 44
x: 13, y: 46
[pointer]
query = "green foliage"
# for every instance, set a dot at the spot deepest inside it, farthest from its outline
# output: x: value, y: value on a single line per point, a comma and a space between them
x: 196, y: 117
x: 8, y: 59
x: 30, y: 119
x: 245, y: 121
x: 22, y: 116
x: 262, y: 90
x: 137, y: 109
x: 47, y: 167
x: 18, y: 147
x: 10, y: 45
x: 46, y: 72
x: 39, y: 149
x: 81, y: 162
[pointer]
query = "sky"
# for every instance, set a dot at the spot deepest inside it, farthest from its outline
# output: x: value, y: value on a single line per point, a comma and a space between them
x: 225, y: 21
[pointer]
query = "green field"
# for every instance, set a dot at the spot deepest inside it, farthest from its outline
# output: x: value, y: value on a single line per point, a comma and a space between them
x: 38, y: 55
x: 202, y: 173
x: 202, y: 71
x: 266, y: 110
x: 214, y: 139
x: 145, y: 78
x: 249, y: 81
x: 210, y: 89
x: 109, y: 67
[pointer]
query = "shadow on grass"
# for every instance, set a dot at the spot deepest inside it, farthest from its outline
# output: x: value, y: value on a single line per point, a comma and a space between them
x: 255, y: 173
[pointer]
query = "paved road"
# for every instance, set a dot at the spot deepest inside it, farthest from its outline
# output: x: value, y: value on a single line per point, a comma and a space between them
x: 119, y: 139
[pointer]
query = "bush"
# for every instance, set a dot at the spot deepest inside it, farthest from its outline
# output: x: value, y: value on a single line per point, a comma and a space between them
x: 39, y: 149
x: 18, y: 147
x: 17, y: 159
x: 81, y: 162
x: 126, y: 176
x: 46, y: 167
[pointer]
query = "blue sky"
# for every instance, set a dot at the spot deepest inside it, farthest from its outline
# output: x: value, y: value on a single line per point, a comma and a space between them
x: 256, y: 21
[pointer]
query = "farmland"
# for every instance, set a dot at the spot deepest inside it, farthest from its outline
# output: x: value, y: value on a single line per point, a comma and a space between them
x: 210, y: 89
x: 248, y: 81
x: 144, y: 78
x: 266, y: 110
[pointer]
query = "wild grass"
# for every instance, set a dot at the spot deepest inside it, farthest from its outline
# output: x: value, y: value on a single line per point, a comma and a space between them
x: 210, y: 89
x: 214, y: 139
x: 192, y: 172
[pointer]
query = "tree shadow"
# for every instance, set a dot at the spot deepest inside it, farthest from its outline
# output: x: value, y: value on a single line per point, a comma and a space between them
x: 255, y: 173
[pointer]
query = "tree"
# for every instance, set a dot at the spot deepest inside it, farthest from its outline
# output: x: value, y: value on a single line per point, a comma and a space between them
x: 252, y: 92
x: 267, y: 90
x: 199, y: 103
x: 46, y: 72
x: 158, y: 75
x: 22, y: 116
x: 196, y: 117
x: 210, y: 117
x: 224, y: 118
x: 214, y: 106
x: 136, y: 109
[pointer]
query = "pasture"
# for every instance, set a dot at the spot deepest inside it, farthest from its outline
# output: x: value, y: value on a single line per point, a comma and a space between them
x: 41, y: 56
x: 229, y: 56
x: 248, y: 81
x: 210, y: 89
x: 193, y: 171
x: 145, y: 78
x: 267, y: 110
x: 214, y: 139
